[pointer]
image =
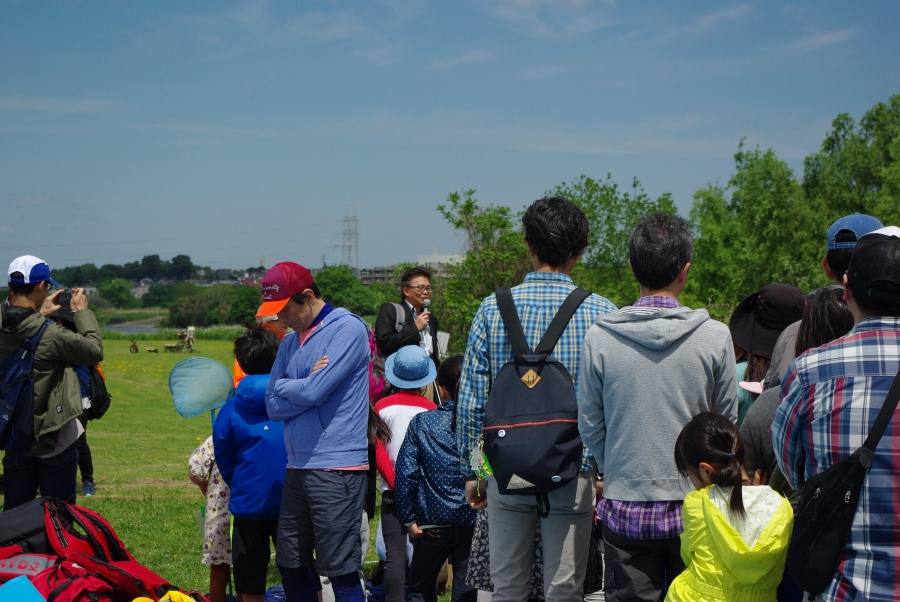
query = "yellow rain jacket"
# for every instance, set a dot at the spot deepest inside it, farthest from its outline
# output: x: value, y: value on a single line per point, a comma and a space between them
x: 721, y: 564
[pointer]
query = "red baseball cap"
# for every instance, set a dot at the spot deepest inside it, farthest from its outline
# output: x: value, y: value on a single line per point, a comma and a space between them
x: 281, y: 282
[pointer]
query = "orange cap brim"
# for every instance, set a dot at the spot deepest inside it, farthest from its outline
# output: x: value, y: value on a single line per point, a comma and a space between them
x: 270, y: 308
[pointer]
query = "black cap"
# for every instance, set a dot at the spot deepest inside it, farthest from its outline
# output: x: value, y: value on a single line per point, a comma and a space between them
x: 874, y: 269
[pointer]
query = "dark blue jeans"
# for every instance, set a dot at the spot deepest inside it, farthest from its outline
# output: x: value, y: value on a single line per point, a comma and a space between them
x: 25, y: 476
x: 429, y: 553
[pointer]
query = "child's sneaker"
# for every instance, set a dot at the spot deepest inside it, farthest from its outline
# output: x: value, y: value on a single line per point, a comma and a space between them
x: 87, y: 488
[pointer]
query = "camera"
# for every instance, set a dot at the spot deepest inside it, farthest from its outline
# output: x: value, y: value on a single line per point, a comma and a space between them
x: 64, y: 299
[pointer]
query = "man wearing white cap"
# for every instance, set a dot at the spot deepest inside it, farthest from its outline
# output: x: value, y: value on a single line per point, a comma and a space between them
x: 50, y: 465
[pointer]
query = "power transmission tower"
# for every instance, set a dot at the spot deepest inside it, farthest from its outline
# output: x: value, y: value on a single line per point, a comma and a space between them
x: 350, y: 241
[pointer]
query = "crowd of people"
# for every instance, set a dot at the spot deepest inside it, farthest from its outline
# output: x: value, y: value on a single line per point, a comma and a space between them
x: 682, y: 443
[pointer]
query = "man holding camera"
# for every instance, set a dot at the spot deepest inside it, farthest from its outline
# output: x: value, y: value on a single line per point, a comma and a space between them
x: 50, y: 466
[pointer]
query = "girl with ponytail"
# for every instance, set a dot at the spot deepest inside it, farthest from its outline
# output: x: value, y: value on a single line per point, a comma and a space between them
x: 736, y: 536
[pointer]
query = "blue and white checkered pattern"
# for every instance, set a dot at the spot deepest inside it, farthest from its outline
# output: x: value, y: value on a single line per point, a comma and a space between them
x: 537, y: 300
x: 830, y: 399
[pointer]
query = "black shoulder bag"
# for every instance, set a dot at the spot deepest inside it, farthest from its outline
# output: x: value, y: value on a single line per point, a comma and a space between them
x: 827, y: 504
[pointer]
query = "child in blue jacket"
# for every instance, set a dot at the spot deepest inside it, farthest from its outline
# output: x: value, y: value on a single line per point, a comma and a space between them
x: 429, y: 492
x: 251, y: 456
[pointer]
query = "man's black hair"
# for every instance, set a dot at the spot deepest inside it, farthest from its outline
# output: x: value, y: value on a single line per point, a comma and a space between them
x: 659, y: 247
x: 556, y: 229
x: 255, y: 350
x: 411, y: 273
x: 21, y: 289
x: 874, y: 307
x: 839, y: 259
x: 300, y: 298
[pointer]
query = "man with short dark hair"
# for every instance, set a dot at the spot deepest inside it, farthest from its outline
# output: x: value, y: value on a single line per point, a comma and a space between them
x: 319, y: 387
x: 646, y: 371
x: 51, y: 465
x: 830, y: 399
x: 419, y: 326
x: 556, y: 232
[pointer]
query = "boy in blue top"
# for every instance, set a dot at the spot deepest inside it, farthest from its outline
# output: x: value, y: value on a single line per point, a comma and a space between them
x: 251, y: 456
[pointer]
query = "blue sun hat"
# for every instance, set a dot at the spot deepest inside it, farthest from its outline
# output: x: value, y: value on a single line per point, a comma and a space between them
x: 410, y: 368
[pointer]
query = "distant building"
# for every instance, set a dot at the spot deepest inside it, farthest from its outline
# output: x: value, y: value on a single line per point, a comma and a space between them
x: 439, y: 264
x: 139, y: 291
x: 382, y: 275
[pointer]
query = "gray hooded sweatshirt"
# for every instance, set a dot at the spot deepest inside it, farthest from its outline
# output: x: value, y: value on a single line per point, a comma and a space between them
x: 645, y: 372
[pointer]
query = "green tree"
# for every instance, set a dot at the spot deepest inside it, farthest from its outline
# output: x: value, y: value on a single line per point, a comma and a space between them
x: 495, y: 256
x: 181, y: 268
x: 612, y: 215
x: 152, y: 266
x: 162, y: 295
x: 244, y: 303
x: 853, y: 171
x: 765, y: 232
x: 117, y: 292
x: 340, y: 286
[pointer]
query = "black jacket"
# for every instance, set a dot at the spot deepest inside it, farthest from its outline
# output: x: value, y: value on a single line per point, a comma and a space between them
x: 390, y: 341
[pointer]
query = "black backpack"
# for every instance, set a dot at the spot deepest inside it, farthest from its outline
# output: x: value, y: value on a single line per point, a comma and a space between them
x: 827, y: 505
x: 530, y: 431
x: 100, y: 397
x: 17, y: 396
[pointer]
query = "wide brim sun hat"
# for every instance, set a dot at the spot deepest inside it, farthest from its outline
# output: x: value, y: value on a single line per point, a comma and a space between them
x: 760, y: 318
x: 409, y: 368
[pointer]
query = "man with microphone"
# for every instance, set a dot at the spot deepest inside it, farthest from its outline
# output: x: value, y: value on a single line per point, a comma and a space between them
x: 409, y: 322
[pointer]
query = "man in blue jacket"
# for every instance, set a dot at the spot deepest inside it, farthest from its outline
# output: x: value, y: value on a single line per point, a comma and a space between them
x: 325, y: 413
x: 250, y: 454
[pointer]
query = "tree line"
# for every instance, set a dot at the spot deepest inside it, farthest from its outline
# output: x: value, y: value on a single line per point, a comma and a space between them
x: 767, y: 224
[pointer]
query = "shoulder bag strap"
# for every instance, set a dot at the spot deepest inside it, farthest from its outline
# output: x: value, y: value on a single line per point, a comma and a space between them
x: 884, y: 416
x: 561, y: 320
x: 512, y: 323
x: 400, y: 319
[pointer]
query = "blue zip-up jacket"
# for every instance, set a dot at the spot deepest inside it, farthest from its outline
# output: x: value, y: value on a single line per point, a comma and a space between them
x: 429, y: 490
x: 326, y: 413
x: 250, y: 451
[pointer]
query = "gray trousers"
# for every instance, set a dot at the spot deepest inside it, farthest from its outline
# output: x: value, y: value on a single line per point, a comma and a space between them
x: 566, y: 535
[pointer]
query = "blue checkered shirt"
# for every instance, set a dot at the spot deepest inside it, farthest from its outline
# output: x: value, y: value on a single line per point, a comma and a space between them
x: 830, y: 399
x: 537, y: 300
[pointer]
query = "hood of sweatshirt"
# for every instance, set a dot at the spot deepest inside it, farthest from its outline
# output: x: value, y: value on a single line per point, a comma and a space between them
x: 653, y: 327
x: 250, y: 395
x: 750, y: 561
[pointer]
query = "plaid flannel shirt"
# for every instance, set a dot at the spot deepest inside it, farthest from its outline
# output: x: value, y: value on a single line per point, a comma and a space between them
x: 830, y: 399
x: 537, y: 299
x: 644, y: 520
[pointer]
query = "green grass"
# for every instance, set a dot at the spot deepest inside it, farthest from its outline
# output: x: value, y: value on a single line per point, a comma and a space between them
x: 209, y: 333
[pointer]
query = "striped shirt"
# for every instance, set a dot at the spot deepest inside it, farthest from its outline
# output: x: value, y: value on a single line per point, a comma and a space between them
x: 537, y: 299
x: 830, y: 399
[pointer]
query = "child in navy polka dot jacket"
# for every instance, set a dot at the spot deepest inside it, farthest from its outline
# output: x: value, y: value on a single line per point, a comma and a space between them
x: 429, y: 492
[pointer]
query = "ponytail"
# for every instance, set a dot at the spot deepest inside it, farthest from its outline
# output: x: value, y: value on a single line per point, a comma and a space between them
x: 713, y: 439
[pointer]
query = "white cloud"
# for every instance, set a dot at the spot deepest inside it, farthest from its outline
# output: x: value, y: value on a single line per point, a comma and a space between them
x: 58, y: 105
x: 818, y: 41
x: 475, y: 55
x: 708, y: 21
x: 553, y: 19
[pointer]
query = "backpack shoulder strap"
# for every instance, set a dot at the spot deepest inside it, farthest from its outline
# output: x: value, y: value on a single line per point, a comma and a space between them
x: 884, y: 416
x: 401, y: 317
x: 511, y: 322
x: 561, y: 320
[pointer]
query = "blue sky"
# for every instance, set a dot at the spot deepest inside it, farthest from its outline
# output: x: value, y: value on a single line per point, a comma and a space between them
x: 230, y: 130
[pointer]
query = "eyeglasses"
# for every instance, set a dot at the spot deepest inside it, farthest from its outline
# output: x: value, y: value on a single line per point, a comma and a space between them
x: 423, y: 288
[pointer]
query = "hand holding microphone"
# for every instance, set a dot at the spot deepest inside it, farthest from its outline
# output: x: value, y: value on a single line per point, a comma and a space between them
x: 424, y: 317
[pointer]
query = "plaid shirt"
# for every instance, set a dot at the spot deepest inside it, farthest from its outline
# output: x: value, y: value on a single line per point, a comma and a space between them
x: 644, y: 520
x: 830, y: 399
x: 537, y: 300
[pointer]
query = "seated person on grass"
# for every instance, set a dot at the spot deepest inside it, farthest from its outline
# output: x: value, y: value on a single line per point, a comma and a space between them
x: 251, y: 456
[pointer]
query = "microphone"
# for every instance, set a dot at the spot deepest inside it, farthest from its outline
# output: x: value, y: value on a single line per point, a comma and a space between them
x: 426, y: 303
